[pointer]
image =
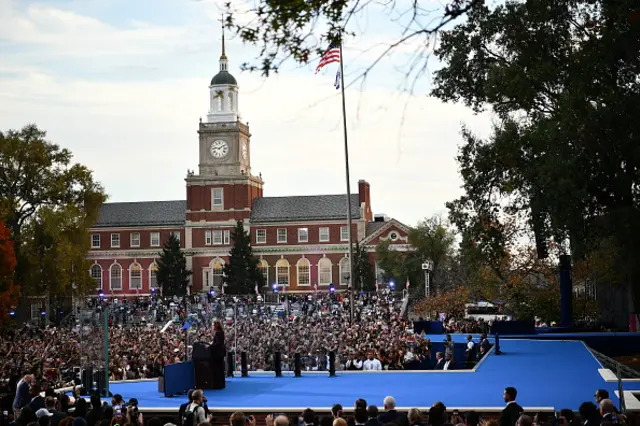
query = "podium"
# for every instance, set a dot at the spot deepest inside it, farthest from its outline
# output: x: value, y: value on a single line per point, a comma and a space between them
x: 203, y: 372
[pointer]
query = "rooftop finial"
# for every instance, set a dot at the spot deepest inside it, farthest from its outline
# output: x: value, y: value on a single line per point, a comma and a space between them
x: 224, y: 55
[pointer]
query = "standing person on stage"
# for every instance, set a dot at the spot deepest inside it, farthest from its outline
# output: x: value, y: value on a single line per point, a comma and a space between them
x: 218, y: 351
x: 22, y: 393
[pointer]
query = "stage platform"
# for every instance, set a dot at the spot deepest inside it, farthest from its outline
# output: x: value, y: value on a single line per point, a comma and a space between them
x: 549, y: 375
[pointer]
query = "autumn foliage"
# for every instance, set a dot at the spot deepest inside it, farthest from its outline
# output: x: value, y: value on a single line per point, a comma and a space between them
x: 451, y: 303
x: 9, y: 291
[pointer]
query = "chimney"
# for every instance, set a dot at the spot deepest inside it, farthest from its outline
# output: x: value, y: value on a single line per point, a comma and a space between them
x: 364, y: 193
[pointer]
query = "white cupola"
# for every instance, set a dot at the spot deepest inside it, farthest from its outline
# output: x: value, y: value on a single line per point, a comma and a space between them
x: 223, y: 92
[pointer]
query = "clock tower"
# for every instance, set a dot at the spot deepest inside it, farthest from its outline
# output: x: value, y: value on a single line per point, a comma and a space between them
x: 224, y: 189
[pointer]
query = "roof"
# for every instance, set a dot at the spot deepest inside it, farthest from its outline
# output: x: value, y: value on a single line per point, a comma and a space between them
x: 223, y: 77
x: 372, y: 227
x: 312, y: 207
x: 142, y: 213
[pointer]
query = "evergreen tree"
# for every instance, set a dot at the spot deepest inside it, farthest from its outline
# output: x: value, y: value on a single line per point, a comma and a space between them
x: 173, y: 275
x: 241, y: 273
x: 363, y: 270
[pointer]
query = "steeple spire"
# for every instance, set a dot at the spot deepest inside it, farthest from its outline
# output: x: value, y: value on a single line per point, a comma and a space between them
x: 223, y: 56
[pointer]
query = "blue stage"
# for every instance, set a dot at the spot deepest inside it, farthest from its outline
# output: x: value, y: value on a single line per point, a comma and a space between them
x: 548, y: 374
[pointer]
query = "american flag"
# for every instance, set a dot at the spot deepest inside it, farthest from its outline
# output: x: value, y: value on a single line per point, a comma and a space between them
x: 331, y: 56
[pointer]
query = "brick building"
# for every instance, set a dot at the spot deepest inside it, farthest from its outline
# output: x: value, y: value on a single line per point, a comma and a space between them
x: 301, y: 241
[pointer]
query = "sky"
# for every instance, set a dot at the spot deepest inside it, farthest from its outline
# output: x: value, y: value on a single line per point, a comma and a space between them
x: 123, y: 84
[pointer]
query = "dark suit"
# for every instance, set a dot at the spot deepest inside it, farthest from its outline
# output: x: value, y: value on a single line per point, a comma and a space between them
x: 373, y: 422
x: 451, y: 366
x: 36, y: 403
x: 392, y: 416
x: 439, y: 364
x: 58, y: 416
x: 509, y: 416
x: 218, y: 352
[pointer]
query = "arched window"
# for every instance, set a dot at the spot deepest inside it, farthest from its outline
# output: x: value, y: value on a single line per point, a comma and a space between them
x: 304, y: 272
x: 282, y: 272
x: 263, y: 266
x: 115, y: 277
x: 153, y: 275
x: 217, y: 272
x: 345, y: 271
x: 231, y: 99
x: 96, y: 274
x: 220, y: 100
x: 324, y: 271
x: 135, y: 276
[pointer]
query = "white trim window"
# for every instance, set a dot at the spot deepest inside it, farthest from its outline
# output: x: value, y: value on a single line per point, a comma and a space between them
x: 303, y: 235
x: 282, y: 273
x: 96, y: 274
x: 261, y: 236
x: 208, y: 239
x: 263, y: 266
x: 304, y: 272
x: 135, y: 276
x: 154, y: 239
x: 153, y: 275
x: 217, y: 238
x: 115, y: 240
x: 134, y: 239
x: 344, y: 233
x: 323, y: 234
x: 217, y: 273
x: 95, y: 241
x: 282, y: 235
x: 176, y: 234
x: 217, y: 198
x: 226, y: 237
x: 115, y: 277
x: 325, y: 270
x: 345, y: 271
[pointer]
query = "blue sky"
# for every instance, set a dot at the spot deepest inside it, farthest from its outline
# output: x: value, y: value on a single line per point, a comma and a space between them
x: 122, y: 84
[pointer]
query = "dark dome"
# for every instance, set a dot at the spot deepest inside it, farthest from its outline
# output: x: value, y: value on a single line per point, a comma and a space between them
x: 223, y: 77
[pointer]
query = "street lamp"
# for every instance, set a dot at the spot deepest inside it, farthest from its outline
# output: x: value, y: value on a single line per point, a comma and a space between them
x: 427, y: 267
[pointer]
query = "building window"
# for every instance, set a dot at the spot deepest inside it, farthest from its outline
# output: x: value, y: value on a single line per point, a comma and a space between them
x: 345, y: 271
x: 325, y: 271
x: 154, y: 238
x: 282, y: 272
x: 217, y: 273
x: 379, y: 273
x: 344, y: 233
x: 135, y: 276
x: 323, y: 235
x: 282, y: 235
x: 263, y: 266
x: 226, y: 237
x: 176, y: 234
x: 96, y: 274
x: 261, y: 236
x: 115, y: 277
x: 393, y: 236
x: 303, y: 235
x: 304, y: 272
x: 217, y: 198
x: 95, y: 241
x: 207, y: 238
x: 115, y: 240
x: 36, y: 311
x: 217, y: 237
x: 153, y: 275
x: 134, y: 239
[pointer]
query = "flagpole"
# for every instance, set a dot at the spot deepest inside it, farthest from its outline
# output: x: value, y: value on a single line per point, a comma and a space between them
x: 352, y: 301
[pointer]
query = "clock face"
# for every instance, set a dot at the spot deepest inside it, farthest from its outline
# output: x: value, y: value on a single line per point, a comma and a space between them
x: 245, y: 151
x: 219, y: 149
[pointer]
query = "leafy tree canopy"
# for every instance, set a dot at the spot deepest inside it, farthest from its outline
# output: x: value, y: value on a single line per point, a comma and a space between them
x: 48, y: 203
x: 9, y: 291
x: 241, y: 273
x: 172, y: 274
x: 363, y: 269
x: 301, y: 30
x: 561, y: 77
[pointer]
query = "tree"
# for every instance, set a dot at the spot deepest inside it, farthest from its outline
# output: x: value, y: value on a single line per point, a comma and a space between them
x: 301, y: 30
x: 561, y: 154
x: 363, y: 269
x: 48, y: 203
x: 241, y: 273
x: 172, y: 274
x: 450, y: 302
x: 9, y: 291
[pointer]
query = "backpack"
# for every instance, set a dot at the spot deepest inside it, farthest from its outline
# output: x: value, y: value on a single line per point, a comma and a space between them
x: 190, y: 415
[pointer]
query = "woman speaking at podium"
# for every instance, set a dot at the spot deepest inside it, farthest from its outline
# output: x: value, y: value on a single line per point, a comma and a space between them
x: 218, y: 352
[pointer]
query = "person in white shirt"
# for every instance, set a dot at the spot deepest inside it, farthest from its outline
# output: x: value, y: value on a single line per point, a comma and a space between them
x: 371, y: 363
x: 470, y: 352
x: 353, y: 363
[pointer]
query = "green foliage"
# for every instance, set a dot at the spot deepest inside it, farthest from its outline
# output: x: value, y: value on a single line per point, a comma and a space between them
x: 172, y: 275
x: 241, y: 273
x: 363, y: 269
x: 301, y: 30
x: 48, y: 203
x: 560, y: 76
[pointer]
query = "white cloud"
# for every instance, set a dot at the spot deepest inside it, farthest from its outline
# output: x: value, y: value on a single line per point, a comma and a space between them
x: 140, y: 136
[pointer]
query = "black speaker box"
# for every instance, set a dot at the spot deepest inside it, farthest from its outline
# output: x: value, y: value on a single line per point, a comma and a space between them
x: 203, y: 373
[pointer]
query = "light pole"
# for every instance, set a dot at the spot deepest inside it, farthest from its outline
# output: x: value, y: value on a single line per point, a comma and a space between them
x: 427, y: 267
